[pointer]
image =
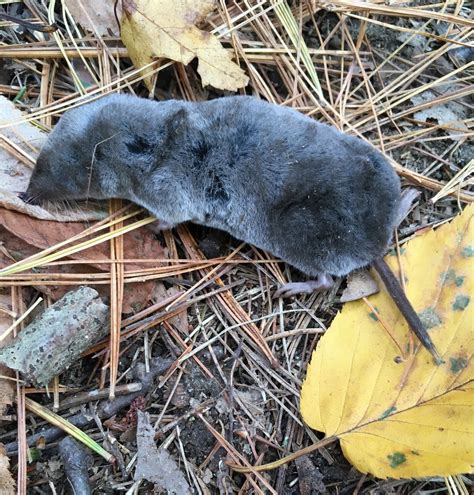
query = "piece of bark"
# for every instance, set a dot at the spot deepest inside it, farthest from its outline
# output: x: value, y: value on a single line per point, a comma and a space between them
x: 54, y: 340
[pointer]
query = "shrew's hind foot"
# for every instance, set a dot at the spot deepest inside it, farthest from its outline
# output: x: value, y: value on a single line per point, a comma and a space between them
x: 323, y: 282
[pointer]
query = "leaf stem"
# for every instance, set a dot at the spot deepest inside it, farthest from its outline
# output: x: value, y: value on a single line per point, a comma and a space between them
x: 284, y: 460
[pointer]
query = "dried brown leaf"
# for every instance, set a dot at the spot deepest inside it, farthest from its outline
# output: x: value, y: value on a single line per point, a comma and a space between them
x: 95, y: 16
x: 359, y: 284
x: 25, y: 233
x: 157, y: 465
x: 43, y: 234
x: 167, y: 28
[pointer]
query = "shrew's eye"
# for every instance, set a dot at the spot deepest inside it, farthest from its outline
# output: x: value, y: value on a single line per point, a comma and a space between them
x: 99, y: 152
x: 139, y: 145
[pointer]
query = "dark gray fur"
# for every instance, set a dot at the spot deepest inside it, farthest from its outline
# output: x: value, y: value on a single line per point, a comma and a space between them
x: 319, y: 199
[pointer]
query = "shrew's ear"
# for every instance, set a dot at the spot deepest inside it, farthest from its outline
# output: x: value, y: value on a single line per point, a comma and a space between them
x: 172, y: 129
x: 177, y: 123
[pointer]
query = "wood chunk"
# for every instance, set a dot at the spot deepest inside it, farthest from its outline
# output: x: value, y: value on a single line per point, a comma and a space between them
x: 54, y: 341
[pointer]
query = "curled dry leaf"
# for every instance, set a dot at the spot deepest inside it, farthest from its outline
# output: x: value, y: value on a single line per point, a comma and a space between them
x: 359, y: 284
x: 139, y: 243
x: 167, y: 28
x: 403, y: 418
x: 450, y: 114
x: 161, y: 293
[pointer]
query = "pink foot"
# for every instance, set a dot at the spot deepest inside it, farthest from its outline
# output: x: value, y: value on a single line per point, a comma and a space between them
x: 324, y: 282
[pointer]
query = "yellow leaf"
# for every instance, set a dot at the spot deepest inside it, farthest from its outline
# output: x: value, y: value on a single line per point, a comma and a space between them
x: 166, y: 28
x: 404, y: 418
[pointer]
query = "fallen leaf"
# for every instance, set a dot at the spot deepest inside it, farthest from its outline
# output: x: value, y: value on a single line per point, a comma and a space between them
x: 139, y: 243
x: 136, y: 296
x: 161, y: 293
x: 157, y: 465
x: 95, y: 16
x: 167, y: 28
x: 15, y: 175
x: 450, y: 114
x: 12, y: 248
x: 403, y: 418
x: 359, y: 284
x: 254, y: 403
x: 7, y: 485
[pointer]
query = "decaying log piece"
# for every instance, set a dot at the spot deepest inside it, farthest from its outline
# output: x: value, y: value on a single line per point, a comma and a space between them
x: 55, y: 339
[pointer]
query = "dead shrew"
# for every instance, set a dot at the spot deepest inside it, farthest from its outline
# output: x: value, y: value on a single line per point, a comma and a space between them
x: 321, y: 200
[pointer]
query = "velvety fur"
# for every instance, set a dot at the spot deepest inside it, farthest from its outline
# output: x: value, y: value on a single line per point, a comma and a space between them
x: 319, y: 199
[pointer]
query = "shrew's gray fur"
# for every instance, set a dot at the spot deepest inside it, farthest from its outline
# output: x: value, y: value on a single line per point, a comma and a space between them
x: 319, y: 199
